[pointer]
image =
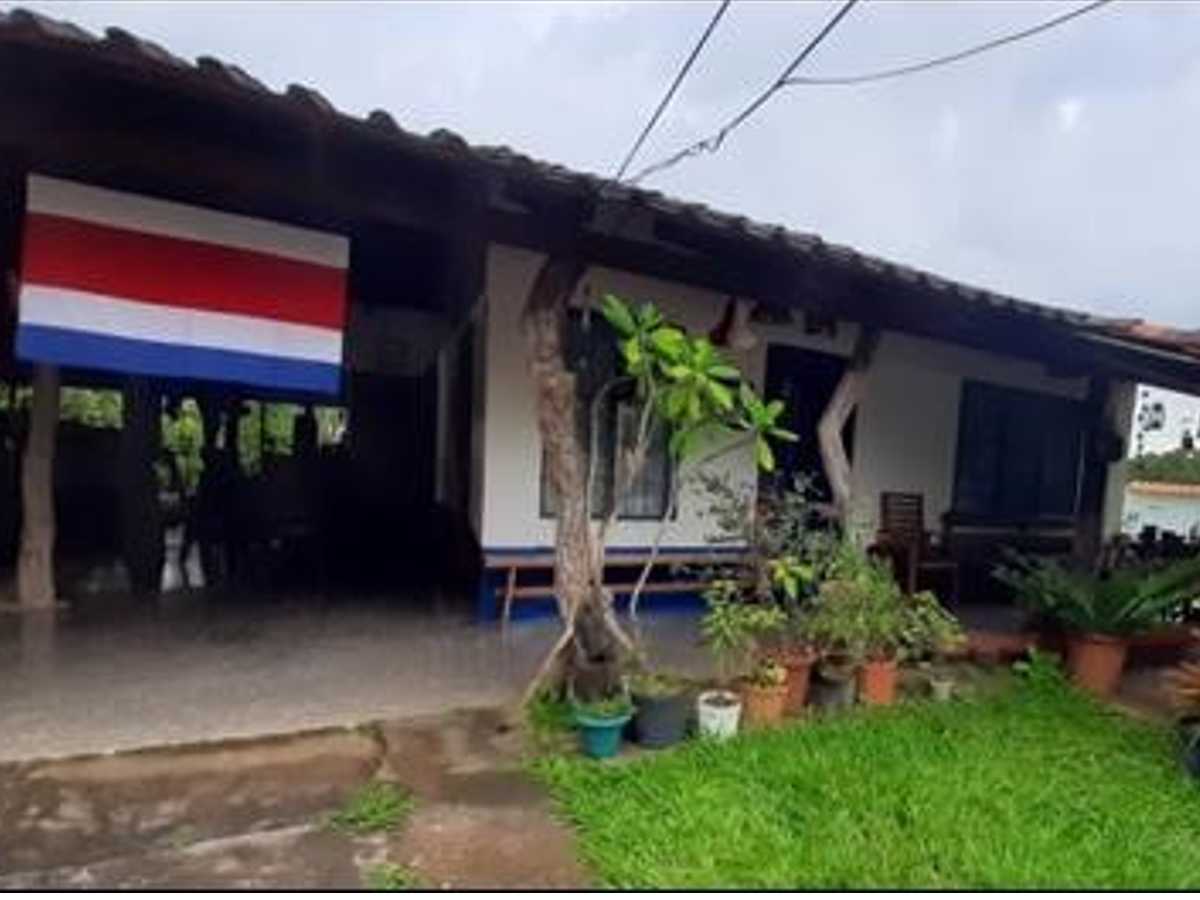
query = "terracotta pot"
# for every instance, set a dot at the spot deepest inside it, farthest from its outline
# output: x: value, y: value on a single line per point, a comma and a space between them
x: 764, y: 705
x: 799, y: 664
x: 877, y: 681
x: 1096, y: 661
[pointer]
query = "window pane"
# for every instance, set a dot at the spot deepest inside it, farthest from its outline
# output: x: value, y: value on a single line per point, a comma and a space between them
x: 1018, y: 453
x: 646, y: 497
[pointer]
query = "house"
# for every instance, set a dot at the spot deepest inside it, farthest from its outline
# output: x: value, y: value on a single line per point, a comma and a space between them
x: 1162, y: 506
x: 1008, y: 417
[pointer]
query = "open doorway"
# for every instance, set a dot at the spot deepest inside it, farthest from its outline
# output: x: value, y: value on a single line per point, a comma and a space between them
x: 805, y: 381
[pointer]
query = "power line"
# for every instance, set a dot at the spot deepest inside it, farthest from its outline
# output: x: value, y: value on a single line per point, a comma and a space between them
x: 662, y: 105
x: 951, y: 57
x: 714, y: 143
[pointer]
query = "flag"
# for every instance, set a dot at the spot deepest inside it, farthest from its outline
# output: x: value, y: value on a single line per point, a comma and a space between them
x: 128, y: 283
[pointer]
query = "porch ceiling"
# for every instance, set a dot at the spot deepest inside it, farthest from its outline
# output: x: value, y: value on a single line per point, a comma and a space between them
x: 371, y: 169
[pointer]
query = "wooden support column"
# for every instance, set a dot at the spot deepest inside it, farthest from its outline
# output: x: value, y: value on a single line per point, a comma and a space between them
x: 141, y: 520
x: 845, y: 398
x: 35, y: 564
x: 1089, y: 519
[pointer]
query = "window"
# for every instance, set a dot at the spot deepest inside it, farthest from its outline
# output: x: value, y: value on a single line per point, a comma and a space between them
x: 1019, y: 454
x: 591, y: 350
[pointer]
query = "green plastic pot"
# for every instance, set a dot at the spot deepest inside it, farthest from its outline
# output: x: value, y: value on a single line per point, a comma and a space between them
x: 601, y: 736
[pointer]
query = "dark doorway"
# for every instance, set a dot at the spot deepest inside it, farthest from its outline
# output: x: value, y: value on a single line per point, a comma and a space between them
x: 805, y: 380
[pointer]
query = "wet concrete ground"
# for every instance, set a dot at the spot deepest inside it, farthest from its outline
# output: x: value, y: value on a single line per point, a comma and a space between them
x: 188, y: 669
x: 254, y: 814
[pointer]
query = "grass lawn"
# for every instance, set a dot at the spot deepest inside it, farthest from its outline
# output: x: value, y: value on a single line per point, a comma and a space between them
x: 1032, y: 787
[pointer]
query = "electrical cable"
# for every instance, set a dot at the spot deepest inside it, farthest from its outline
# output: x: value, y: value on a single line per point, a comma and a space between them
x: 682, y: 74
x: 950, y: 57
x: 714, y: 143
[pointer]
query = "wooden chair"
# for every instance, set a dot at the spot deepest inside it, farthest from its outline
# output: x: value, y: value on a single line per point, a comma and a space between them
x: 902, y: 534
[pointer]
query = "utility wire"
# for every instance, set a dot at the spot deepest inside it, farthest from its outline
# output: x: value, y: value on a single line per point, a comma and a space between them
x: 714, y: 143
x: 666, y: 100
x: 951, y: 57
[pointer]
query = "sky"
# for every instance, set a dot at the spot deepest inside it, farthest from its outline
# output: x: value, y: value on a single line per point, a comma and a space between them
x: 1061, y: 169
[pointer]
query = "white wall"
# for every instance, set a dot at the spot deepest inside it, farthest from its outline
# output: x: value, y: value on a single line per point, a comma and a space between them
x: 906, y: 431
x: 1178, y: 513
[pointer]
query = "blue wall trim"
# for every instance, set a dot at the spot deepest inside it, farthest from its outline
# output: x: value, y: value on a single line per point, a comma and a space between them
x: 488, y: 607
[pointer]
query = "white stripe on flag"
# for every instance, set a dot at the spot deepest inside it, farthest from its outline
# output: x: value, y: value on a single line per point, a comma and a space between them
x: 81, y: 311
x: 134, y: 212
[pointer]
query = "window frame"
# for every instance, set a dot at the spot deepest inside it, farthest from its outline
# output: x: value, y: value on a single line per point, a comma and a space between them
x: 1013, y: 399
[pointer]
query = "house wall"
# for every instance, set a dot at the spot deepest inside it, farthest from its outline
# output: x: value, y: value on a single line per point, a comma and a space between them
x: 906, y: 431
x: 1178, y: 513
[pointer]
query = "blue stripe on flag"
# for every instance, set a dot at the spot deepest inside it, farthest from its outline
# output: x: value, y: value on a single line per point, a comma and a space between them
x: 68, y: 347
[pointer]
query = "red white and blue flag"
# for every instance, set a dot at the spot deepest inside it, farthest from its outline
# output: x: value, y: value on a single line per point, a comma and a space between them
x: 123, y: 282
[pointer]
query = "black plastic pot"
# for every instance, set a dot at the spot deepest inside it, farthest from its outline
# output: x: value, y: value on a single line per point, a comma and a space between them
x: 832, y: 688
x: 661, y: 720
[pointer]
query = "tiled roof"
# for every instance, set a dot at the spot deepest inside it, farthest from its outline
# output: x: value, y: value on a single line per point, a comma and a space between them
x: 121, y: 49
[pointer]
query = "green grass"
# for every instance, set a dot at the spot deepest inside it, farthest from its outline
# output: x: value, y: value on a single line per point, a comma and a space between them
x: 391, y: 877
x: 376, y: 806
x: 1030, y: 787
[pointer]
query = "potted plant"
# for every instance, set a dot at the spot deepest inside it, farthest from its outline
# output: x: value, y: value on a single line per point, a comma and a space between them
x: 1183, y: 685
x: 730, y: 628
x: 1100, y: 610
x: 766, y: 692
x: 662, y: 708
x: 934, y: 632
x: 859, y: 614
x: 600, y: 724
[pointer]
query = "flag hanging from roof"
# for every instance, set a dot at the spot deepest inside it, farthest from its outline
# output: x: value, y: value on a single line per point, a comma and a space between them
x: 123, y: 282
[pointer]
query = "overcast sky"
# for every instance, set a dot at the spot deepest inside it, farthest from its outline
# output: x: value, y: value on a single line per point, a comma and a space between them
x: 1063, y: 168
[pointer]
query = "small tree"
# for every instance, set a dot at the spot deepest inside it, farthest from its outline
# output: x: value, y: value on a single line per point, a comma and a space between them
x: 681, y: 383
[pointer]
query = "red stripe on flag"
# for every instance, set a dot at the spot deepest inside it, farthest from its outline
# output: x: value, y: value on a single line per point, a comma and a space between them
x: 116, y: 262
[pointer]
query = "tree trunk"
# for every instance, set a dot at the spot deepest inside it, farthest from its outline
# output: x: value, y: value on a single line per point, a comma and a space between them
x: 846, y: 396
x: 35, y: 565
x: 588, y: 657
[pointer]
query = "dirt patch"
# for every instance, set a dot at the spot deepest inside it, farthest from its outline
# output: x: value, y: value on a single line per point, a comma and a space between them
x: 466, y: 847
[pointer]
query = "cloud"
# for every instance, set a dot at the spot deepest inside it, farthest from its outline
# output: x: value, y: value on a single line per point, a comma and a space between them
x: 1060, y: 168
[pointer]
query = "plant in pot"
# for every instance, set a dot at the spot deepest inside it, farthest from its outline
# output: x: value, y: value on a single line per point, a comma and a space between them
x: 795, y: 652
x: 932, y: 632
x: 1100, y: 610
x: 765, y: 691
x: 786, y: 547
x: 730, y: 627
x: 1183, y: 686
x: 663, y: 708
x: 600, y: 724
x: 859, y: 617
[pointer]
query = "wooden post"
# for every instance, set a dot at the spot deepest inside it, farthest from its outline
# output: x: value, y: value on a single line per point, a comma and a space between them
x: 845, y: 398
x: 1089, y: 519
x: 35, y: 564
x: 141, y: 526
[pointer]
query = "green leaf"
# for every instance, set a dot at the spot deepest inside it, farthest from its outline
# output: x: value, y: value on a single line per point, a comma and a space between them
x: 720, y: 394
x: 724, y: 372
x: 746, y: 395
x: 676, y: 402
x: 764, y: 455
x: 669, y: 342
x: 632, y: 351
x: 782, y: 434
x: 618, y: 315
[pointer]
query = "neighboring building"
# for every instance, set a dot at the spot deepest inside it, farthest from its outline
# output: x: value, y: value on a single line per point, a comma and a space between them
x: 1166, y: 507
x: 1007, y: 416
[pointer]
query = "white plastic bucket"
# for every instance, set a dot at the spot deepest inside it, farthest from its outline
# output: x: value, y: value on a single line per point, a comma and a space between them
x: 718, y: 720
